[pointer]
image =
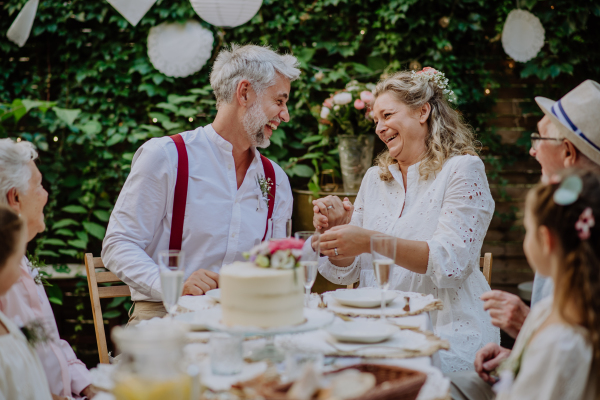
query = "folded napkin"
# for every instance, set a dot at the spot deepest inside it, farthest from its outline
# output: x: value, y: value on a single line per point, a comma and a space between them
x: 197, y: 303
x: 225, y: 382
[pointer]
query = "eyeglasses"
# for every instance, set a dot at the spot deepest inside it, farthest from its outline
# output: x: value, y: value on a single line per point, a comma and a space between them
x: 535, y: 140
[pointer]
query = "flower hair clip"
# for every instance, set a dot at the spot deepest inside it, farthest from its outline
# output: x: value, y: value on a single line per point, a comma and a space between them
x: 585, y: 223
x: 568, y: 191
x: 428, y: 74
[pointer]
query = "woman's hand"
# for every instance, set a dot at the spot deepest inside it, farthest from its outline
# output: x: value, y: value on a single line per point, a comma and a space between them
x: 330, y: 211
x: 349, y: 240
x: 488, y: 358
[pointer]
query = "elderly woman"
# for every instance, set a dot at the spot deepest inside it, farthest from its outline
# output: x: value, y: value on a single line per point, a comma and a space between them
x: 21, y: 189
x: 430, y: 191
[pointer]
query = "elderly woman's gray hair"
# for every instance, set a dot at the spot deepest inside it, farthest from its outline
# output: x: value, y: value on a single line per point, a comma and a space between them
x: 14, y: 172
x: 258, y: 64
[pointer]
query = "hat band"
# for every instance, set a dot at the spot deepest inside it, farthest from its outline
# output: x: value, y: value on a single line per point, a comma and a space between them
x: 559, y: 112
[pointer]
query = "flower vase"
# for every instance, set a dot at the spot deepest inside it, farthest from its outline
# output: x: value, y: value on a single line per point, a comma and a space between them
x: 356, y: 157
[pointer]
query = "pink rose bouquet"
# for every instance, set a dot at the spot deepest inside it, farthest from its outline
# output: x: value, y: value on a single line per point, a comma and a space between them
x: 346, y: 112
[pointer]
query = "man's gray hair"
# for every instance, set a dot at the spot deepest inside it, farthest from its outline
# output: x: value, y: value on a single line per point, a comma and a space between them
x: 14, y: 172
x: 258, y: 64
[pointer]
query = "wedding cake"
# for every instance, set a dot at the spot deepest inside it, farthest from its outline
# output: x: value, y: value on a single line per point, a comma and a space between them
x: 265, y: 292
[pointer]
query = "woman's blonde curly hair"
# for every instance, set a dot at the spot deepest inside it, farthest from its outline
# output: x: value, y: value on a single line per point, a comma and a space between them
x: 448, y: 136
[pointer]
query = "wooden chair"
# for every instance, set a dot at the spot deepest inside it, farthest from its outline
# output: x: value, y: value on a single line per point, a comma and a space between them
x: 485, y: 264
x: 101, y: 292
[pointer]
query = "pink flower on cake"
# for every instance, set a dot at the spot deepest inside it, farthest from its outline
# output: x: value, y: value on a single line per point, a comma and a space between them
x: 285, y: 244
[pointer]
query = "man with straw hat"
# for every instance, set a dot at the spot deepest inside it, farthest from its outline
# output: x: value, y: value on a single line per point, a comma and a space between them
x: 569, y: 137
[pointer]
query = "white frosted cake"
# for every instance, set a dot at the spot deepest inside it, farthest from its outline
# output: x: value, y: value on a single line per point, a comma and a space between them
x: 261, y: 297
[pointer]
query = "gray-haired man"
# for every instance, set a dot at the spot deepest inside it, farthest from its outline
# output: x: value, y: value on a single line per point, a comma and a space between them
x: 569, y: 137
x: 225, y: 210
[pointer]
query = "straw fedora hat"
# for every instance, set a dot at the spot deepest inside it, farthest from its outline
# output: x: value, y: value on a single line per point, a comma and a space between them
x: 577, y: 117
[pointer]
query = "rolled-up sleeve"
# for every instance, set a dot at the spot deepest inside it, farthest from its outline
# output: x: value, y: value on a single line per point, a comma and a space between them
x: 138, y: 214
x: 350, y: 274
x: 467, y: 210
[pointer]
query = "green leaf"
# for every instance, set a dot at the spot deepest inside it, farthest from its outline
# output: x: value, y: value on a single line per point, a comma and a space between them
x: 75, y: 209
x: 55, y: 295
x: 175, y: 99
x: 69, y: 252
x: 98, y: 231
x: 80, y: 244
x: 114, y: 139
x: 303, y: 171
x: 47, y: 253
x: 117, y: 301
x: 65, y: 222
x: 54, y: 242
x: 311, y: 139
x: 168, y: 125
x: 91, y: 128
x: 68, y: 116
x: 278, y: 137
x: 18, y: 109
x: 102, y: 215
x: 64, y: 232
x: 111, y: 314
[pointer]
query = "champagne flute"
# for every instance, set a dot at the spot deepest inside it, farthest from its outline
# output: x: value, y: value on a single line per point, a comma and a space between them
x: 383, y: 252
x: 271, y: 229
x: 309, y: 260
x: 170, y: 264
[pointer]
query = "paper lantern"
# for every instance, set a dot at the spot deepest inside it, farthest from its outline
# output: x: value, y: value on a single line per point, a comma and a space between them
x: 21, y: 27
x: 179, y: 50
x: 226, y: 13
x: 522, y: 35
x: 132, y: 10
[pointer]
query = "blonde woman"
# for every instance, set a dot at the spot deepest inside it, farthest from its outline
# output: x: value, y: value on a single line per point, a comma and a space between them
x: 430, y: 191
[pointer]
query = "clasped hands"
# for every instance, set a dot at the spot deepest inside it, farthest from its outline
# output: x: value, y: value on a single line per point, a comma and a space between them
x: 331, y: 218
x: 200, y: 282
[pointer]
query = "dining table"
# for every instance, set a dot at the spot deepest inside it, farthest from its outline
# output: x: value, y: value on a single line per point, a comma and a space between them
x: 197, y: 351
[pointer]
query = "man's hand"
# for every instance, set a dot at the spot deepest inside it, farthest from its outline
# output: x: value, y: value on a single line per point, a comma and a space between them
x: 508, y: 312
x: 488, y: 359
x: 330, y: 211
x: 200, y: 282
x: 89, y: 392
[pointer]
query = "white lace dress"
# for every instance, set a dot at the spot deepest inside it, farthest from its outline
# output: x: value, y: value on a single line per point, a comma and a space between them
x: 451, y: 212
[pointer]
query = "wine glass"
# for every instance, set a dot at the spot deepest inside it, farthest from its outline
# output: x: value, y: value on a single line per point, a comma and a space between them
x: 170, y: 264
x: 309, y: 259
x: 271, y: 229
x: 383, y: 252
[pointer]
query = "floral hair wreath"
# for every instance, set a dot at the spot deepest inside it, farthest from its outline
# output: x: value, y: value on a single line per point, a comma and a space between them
x: 567, y: 193
x: 429, y: 74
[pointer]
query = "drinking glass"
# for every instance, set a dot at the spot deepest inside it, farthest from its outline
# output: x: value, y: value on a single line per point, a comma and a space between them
x: 170, y: 264
x: 383, y: 252
x: 226, y: 353
x: 272, y: 232
x: 309, y: 259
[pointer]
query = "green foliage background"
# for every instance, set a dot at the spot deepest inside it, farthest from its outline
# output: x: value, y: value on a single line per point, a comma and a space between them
x: 84, y: 56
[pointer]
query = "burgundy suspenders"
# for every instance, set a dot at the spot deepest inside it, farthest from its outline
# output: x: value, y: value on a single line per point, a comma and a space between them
x: 181, y: 186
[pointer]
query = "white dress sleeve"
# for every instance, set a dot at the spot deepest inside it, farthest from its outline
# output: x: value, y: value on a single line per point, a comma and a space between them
x: 467, y: 210
x: 350, y: 274
x: 555, y: 366
x: 139, y: 211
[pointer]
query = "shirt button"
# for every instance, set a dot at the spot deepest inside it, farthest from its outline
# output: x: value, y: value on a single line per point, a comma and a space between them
x: 233, y: 235
x: 229, y: 167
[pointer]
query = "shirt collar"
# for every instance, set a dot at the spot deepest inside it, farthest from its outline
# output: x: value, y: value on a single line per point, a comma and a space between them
x: 218, y: 140
x: 411, y: 174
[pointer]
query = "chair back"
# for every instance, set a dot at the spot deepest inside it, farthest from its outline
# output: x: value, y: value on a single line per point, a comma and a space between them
x: 101, y: 292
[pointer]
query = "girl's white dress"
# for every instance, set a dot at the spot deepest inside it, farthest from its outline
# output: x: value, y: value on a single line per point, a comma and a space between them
x: 555, y: 365
x: 451, y: 211
x: 21, y: 374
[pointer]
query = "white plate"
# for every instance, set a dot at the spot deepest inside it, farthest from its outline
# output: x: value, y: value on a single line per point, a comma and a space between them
x: 192, y: 320
x: 362, y: 331
x: 365, y: 298
x: 314, y: 319
x: 215, y: 294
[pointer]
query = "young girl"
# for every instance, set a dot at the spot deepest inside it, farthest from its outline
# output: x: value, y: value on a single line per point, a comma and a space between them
x: 559, y: 343
x: 21, y: 372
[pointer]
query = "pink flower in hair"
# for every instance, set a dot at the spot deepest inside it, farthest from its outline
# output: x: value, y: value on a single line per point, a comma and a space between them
x: 585, y: 222
x: 285, y: 244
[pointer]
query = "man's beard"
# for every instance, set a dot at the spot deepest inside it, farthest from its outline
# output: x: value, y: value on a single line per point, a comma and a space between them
x: 254, y: 122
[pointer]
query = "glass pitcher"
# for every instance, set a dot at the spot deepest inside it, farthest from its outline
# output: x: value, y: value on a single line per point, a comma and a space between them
x: 151, y: 364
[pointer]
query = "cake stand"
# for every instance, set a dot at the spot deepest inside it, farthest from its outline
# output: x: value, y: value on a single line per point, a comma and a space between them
x: 314, y: 319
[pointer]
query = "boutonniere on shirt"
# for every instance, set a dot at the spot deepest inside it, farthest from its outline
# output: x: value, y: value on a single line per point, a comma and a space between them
x: 35, y: 332
x: 265, y: 185
x: 36, y: 271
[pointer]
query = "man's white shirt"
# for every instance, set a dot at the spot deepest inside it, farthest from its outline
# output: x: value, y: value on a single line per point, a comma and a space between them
x: 221, y: 221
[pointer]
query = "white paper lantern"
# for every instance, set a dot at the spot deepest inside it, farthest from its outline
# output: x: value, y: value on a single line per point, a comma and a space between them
x: 226, y: 13
x: 132, y: 10
x: 21, y: 27
x: 522, y: 35
x: 179, y: 50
